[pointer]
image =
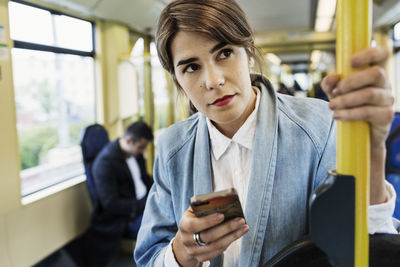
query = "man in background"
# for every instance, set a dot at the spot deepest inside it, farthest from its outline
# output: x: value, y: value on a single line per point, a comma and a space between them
x: 122, y: 184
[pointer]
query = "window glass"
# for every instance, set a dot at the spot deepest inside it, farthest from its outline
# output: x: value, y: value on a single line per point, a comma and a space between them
x: 396, y: 87
x: 73, y: 33
x: 138, y: 48
x: 396, y: 31
x: 160, y: 91
x: 304, y: 80
x: 54, y: 94
x: 39, y: 26
x: 127, y: 90
x: 137, y: 61
x: 158, y: 84
x: 30, y: 24
x: 396, y: 74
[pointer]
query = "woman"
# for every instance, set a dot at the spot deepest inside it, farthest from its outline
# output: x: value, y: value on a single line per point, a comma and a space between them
x: 273, y: 149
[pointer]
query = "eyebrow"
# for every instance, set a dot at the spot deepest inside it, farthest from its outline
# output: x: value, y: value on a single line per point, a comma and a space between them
x: 192, y: 59
x: 218, y: 46
x: 186, y: 61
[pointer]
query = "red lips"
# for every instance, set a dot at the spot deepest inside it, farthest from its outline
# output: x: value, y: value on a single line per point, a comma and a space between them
x: 223, y: 100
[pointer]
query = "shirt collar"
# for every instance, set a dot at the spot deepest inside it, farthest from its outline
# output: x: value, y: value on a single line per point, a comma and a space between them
x: 244, y: 136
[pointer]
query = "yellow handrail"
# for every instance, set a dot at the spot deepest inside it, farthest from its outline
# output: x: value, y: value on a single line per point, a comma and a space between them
x: 353, y: 142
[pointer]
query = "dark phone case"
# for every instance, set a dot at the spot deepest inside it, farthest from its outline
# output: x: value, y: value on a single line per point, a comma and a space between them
x: 227, y: 203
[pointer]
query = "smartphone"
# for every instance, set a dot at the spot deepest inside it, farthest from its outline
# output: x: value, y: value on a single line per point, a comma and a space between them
x: 225, y: 201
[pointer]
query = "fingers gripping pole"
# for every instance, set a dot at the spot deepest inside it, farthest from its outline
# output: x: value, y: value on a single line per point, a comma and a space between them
x: 353, y: 141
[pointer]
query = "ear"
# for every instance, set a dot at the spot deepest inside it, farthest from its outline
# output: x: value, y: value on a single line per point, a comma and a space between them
x: 128, y: 139
x: 251, y: 62
x: 178, y: 86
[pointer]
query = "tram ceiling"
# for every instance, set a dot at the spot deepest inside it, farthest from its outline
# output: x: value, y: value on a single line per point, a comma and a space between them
x: 264, y: 15
x: 294, y: 42
x: 141, y: 15
x: 297, y: 62
x: 267, y: 17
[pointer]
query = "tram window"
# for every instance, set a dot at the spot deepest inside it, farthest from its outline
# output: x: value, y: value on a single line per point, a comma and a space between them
x: 54, y: 83
x: 38, y: 19
x: 73, y: 33
x: 396, y: 33
x: 304, y: 80
x: 160, y: 91
x: 40, y: 26
x: 138, y: 62
x: 396, y: 37
x: 158, y: 83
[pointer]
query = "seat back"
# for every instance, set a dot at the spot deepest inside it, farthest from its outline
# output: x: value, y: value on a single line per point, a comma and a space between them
x: 383, y: 252
x: 94, y: 138
x: 393, y: 160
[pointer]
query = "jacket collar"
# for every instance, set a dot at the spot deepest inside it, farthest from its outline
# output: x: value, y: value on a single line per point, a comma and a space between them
x: 116, y: 149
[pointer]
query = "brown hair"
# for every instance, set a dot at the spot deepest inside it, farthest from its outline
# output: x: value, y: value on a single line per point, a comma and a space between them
x: 221, y: 20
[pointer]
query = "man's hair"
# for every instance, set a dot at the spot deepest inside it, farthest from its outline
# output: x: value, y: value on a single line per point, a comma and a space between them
x: 139, y: 130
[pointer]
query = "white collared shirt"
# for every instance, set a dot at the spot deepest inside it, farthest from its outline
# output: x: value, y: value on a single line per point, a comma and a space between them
x: 140, y: 187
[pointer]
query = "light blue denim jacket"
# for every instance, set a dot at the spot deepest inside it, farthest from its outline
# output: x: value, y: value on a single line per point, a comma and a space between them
x: 294, y: 147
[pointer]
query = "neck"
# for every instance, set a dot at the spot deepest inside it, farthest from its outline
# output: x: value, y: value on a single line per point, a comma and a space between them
x: 229, y: 129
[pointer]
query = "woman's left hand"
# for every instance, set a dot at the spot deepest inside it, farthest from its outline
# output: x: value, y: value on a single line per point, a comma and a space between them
x: 366, y: 95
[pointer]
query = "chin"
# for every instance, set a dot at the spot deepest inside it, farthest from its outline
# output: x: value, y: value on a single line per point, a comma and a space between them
x: 224, y: 119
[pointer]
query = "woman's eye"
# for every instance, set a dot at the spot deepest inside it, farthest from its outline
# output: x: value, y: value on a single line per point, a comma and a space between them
x: 191, y: 68
x: 225, y: 53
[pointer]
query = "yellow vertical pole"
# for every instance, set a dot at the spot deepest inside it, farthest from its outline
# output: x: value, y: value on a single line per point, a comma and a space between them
x: 353, y: 144
x: 149, y: 101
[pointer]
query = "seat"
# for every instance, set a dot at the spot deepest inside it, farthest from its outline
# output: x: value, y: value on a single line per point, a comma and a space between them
x: 393, y: 160
x: 331, y: 227
x: 94, y: 138
x: 383, y: 252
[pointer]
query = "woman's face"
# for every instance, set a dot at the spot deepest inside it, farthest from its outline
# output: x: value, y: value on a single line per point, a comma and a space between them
x: 215, y: 76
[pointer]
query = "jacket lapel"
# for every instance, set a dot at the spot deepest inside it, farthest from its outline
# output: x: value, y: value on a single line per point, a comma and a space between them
x: 201, y: 160
x: 122, y: 163
x: 261, y: 179
x: 202, y: 169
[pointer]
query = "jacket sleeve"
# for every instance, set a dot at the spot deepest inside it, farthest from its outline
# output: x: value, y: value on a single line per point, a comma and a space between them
x: 159, y: 225
x: 106, y: 184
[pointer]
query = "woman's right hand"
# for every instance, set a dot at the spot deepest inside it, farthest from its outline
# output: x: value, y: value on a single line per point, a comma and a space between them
x: 212, y: 231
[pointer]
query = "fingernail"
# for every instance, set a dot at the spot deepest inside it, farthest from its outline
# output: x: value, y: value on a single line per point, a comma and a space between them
x: 239, y: 220
x: 354, y: 62
x: 219, y: 216
x: 332, y: 105
x: 336, y: 116
x: 335, y: 91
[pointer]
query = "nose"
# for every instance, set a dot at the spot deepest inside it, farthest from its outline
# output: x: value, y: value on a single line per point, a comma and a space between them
x: 214, y: 78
